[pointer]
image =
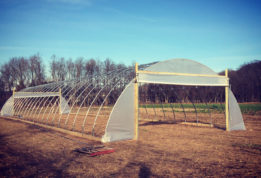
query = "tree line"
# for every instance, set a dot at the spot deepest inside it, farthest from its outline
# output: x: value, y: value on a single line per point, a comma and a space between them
x: 246, y: 82
x: 22, y: 72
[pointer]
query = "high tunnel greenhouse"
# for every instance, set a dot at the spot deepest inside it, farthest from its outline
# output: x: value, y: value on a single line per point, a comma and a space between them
x: 108, y: 106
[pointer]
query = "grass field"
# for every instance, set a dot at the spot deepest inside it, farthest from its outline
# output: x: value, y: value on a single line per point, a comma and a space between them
x: 212, y: 114
x: 165, y: 148
x: 162, y: 150
x: 246, y: 108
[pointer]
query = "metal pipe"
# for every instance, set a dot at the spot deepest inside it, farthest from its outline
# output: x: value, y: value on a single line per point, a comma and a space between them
x: 95, y: 99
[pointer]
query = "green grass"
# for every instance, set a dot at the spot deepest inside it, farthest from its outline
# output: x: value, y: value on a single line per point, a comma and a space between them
x: 250, y: 108
x: 246, y: 108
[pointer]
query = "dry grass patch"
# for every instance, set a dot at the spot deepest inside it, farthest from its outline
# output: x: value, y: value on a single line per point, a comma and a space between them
x: 163, y: 150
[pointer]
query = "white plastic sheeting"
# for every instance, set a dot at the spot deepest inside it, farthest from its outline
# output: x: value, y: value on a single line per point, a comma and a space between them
x: 82, y: 103
x: 121, y: 122
x: 65, y: 108
x: 35, y: 94
x: 236, y: 121
x: 180, y: 66
x: 182, y: 80
x: 8, y: 108
x: 183, y: 70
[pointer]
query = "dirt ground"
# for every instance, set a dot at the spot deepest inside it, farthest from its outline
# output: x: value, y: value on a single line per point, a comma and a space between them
x: 163, y: 150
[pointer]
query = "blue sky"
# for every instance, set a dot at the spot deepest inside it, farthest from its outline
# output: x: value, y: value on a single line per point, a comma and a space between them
x: 220, y: 34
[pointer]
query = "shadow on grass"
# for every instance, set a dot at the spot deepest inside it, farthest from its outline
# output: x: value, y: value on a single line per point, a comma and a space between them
x: 144, y: 171
x: 158, y: 123
x: 249, y: 146
x: 26, y: 162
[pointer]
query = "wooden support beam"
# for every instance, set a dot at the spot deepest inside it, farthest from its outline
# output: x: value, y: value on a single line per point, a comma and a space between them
x: 226, y: 102
x: 73, y: 133
x: 37, y: 92
x: 180, y: 74
x: 13, y: 107
x: 60, y: 100
x: 13, y: 91
x: 136, y: 104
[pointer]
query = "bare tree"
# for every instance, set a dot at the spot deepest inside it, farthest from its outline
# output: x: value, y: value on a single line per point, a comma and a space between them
x: 5, y: 94
x: 20, y: 72
x: 53, y: 68
x: 70, y: 69
x: 36, y: 70
x: 246, y: 82
x: 61, y: 71
x: 7, y: 78
x: 79, y: 66
x: 91, y: 68
x: 109, y: 65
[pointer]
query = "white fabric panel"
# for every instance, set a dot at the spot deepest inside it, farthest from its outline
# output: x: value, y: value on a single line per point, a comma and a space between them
x: 8, y: 108
x: 182, y: 80
x: 65, y: 107
x: 121, y: 122
x: 181, y: 66
x: 34, y: 94
x: 235, y: 116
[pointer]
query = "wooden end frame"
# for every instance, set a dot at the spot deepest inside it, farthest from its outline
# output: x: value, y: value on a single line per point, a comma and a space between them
x: 13, y: 108
x: 226, y: 102
x: 39, y: 92
x: 193, y: 75
x: 60, y: 100
x: 30, y: 101
x: 180, y: 74
x: 13, y: 92
x: 136, y: 103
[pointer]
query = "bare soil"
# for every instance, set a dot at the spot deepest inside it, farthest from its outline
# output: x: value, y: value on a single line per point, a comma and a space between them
x: 164, y: 149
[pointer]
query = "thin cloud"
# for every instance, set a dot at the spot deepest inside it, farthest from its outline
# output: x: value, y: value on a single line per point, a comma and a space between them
x: 2, y: 48
x: 74, y: 2
x: 21, y: 48
x: 137, y: 17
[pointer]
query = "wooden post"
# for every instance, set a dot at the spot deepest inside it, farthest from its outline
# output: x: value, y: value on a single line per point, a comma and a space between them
x: 136, y: 103
x: 13, y: 108
x: 13, y: 91
x: 226, y: 101
x: 60, y: 100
